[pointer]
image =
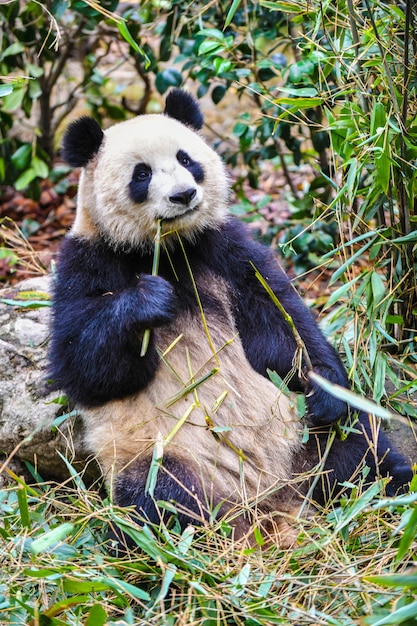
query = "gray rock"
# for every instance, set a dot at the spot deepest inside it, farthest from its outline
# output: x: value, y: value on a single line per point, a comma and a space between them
x: 33, y: 426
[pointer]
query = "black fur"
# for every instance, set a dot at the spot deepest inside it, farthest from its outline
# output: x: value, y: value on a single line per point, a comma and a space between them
x: 86, y: 322
x: 139, y: 185
x: 347, y: 458
x: 176, y: 483
x: 105, y: 299
x: 101, y: 309
x: 82, y: 140
x: 192, y: 166
x: 181, y: 106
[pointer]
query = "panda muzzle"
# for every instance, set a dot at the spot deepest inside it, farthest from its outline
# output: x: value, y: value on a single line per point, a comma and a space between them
x: 183, y: 197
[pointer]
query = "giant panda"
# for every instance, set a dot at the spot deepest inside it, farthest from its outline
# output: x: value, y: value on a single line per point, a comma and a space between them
x: 190, y: 427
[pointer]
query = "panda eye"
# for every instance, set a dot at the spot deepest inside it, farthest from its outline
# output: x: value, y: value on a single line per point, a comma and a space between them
x: 142, y: 172
x: 183, y: 159
x: 195, y: 169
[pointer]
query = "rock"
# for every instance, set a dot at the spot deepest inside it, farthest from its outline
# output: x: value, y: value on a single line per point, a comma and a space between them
x: 33, y: 426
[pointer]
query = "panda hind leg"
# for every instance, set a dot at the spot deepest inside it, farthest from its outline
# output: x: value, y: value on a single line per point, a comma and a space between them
x: 176, y: 484
x: 392, y: 463
x: 345, y: 460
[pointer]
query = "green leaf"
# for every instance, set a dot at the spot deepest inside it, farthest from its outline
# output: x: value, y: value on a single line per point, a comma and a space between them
x: 257, y: 535
x: 231, y: 12
x: 58, y: 8
x: 303, y: 92
x: 383, y: 168
x: 152, y: 477
x: 21, y: 158
x: 210, y: 47
x: 379, y: 132
x: 35, y: 71
x: 360, y: 504
x: 41, y: 573
x: 409, y: 535
x: 22, y: 497
x: 363, y: 404
x: 278, y: 381
x: 186, y: 540
x: 97, y: 616
x: 218, y: 93
x: 5, y: 90
x: 408, y: 581
x: 32, y: 304
x: 410, y: 237
x: 300, y: 103
x: 127, y: 36
x: 13, y: 100
x: 125, y: 587
x: 221, y: 429
x: 212, y: 33
x: 25, y: 179
x: 168, y: 577
x: 49, y: 539
x: 140, y: 537
x: 378, y: 288
x: 169, y: 77
x: 351, y: 260
x: 399, y: 616
x: 40, y: 168
x: 378, y: 118
x: 13, y: 49
x: 301, y: 71
x: 337, y: 295
x: 72, y: 585
x: 221, y: 65
x: 394, y: 319
x: 285, y: 7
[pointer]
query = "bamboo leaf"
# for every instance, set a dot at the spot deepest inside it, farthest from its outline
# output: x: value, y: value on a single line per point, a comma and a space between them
x: 127, y: 36
x: 49, y: 539
x: 231, y: 13
x: 409, y: 535
x: 351, y: 398
x: 398, y: 616
x: 408, y: 580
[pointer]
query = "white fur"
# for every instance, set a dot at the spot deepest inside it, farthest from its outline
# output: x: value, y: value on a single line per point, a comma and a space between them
x: 104, y: 206
x: 261, y: 421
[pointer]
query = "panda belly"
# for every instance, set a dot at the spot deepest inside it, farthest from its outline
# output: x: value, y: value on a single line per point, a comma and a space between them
x: 207, y: 410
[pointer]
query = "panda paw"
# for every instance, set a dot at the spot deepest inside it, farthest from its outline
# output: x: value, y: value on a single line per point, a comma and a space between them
x: 324, y: 409
x: 401, y: 476
x: 158, y: 301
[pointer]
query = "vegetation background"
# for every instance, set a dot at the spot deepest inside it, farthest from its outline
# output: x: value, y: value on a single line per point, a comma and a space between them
x: 325, y: 89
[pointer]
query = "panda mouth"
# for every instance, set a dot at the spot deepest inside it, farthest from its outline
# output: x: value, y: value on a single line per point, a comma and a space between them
x: 178, y: 216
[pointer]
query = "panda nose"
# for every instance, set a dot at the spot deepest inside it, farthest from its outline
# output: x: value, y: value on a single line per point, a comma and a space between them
x: 183, y: 197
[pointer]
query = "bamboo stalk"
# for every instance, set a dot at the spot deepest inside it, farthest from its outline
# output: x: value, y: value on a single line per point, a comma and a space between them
x: 155, y: 267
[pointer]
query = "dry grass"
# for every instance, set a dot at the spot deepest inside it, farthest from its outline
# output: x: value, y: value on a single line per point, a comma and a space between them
x: 56, y: 567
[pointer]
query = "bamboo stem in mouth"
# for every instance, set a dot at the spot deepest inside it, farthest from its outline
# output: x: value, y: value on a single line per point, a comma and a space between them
x: 155, y: 267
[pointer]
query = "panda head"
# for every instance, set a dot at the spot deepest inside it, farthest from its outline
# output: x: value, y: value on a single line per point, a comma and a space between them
x: 153, y: 167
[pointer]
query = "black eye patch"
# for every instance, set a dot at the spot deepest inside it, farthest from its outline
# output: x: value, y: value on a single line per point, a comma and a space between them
x: 192, y: 166
x: 139, y: 184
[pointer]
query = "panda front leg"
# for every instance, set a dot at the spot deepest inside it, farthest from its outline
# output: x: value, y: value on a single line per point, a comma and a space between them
x: 96, y: 340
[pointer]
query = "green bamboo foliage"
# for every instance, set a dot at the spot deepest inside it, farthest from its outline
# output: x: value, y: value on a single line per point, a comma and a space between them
x: 365, y: 58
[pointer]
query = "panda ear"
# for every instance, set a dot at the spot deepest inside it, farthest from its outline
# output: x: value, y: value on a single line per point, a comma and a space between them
x: 81, y: 141
x: 183, y: 107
